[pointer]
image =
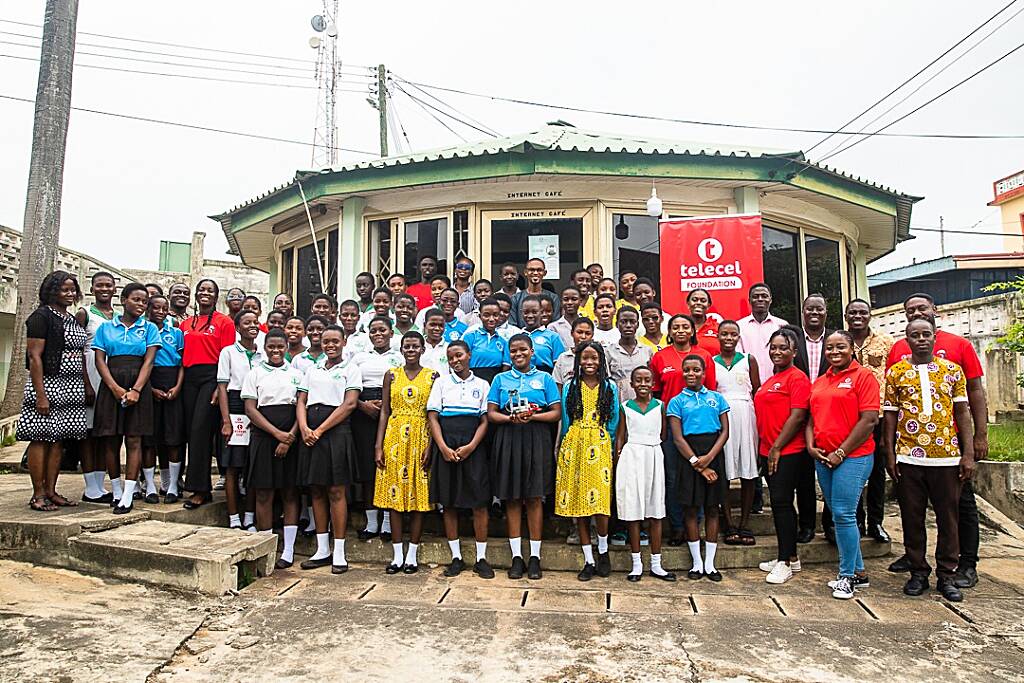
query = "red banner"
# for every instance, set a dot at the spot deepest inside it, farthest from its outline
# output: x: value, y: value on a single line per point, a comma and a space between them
x: 721, y: 254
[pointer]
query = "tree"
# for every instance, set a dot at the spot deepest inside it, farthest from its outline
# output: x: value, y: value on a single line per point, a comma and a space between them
x: 41, y: 224
x: 1013, y: 340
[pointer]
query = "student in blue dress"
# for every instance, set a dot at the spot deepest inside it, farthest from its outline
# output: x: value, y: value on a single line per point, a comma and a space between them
x: 125, y: 348
x: 269, y: 392
x: 547, y: 345
x: 454, y: 328
x: 699, y: 421
x: 168, y: 413
x: 234, y: 364
x: 488, y: 349
x: 522, y: 407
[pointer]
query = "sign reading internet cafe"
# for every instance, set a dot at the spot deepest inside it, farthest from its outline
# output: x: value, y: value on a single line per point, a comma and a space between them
x: 573, y: 198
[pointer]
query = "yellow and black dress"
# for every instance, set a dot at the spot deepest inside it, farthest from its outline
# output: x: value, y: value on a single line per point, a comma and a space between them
x: 583, y: 472
x: 403, y: 484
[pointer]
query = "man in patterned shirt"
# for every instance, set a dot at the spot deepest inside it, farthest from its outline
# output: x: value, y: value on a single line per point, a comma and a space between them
x: 927, y: 419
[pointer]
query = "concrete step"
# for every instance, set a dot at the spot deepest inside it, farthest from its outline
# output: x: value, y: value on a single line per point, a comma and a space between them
x: 210, y: 560
x: 557, y: 556
x: 42, y: 537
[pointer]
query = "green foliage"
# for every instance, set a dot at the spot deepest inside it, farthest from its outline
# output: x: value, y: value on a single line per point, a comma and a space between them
x: 1006, y: 442
x: 1013, y: 340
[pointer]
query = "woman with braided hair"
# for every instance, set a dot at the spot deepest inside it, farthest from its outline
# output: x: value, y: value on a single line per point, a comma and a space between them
x: 583, y: 470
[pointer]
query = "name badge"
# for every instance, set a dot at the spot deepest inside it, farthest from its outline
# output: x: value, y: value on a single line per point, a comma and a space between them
x: 239, y: 431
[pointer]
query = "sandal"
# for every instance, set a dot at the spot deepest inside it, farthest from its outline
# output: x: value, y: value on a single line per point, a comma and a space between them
x: 747, y: 537
x: 41, y: 504
x: 61, y: 501
x: 732, y: 537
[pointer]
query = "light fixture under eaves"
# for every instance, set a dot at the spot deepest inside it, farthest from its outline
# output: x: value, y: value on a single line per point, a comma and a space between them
x: 654, y: 204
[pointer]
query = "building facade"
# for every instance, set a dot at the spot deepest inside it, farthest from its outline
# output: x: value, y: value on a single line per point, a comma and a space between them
x: 585, y: 190
x: 1008, y: 195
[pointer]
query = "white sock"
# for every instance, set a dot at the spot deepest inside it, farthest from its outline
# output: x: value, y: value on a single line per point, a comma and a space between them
x: 339, y: 551
x: 535, y: 549
x: 385, y: 524
x: 322, y: 547
x: 150, y: 474
x: 516, y: 544
x: 698, y: 564
x: 602, y: 544
x: 481, y: 551
x: 372, y: 521
x: 234, y: 521
x: 126, y: 496
x: 174, y: 470
x: 115, y: 486
x: 90, y: 485
x: 165, y: 478
x: 638, y: 565
x: 656, y: 567
x: 709, y: 557
x: 248, y: 519
x: 588, y: 554
x: 97, y: 483
x: 456, y: 549
x: 396, y: 557
x: 312, y: 523
x: 410, y: 555
x: 288, y: 551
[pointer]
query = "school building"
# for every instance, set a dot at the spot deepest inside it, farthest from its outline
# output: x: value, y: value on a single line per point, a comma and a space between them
x: 580, y: 195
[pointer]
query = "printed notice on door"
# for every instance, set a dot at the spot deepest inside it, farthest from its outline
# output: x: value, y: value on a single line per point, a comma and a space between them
x: 545, y: 247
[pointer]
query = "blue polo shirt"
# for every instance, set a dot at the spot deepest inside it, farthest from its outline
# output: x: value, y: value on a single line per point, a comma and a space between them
x: 547, y: 347
x: 488, y: 350
x: 699, y: 411
x: 454, y: 330
x: 172, y: 342
x: 534, y: 386
x: 114, y: 339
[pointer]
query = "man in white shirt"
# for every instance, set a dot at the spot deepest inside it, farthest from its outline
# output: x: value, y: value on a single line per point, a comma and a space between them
x: 758, y: 327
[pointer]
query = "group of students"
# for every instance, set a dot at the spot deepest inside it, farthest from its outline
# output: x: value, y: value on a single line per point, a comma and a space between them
x: 424, y: 397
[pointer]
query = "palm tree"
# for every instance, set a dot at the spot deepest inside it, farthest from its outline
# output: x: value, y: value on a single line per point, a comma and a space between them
x: 41, y: 224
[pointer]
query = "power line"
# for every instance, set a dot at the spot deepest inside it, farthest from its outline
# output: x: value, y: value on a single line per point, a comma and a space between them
x: 430, y: 113
x: 192, y: 126
x: 423, y: 103
x: 490, y: 131
x: 914, y: 228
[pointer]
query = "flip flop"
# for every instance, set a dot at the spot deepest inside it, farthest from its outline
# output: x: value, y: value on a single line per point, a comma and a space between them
x: 747, y: 537
x: 41, y: 504
x: 61, y: 502
x: 733, y: 537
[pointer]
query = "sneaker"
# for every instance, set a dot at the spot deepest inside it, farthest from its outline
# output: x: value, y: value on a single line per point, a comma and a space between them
x: 219, y: 485
x: 604, y: 565
x: 619, y: 538
x: 587, y: 573
x: 843, y: 588
x: 533, y: 569
x: 645, y: 538
x: 573, y: 538
x: 483, y: 569
x: 455, y: 568
x: 517, y: 569
x: 858, y: 581
x: 770, y: 565
x: 780, y: 573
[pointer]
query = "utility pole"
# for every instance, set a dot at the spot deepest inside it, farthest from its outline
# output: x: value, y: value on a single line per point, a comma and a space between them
x: 41, y: 223
x: 942, y: 236
x: 382, y: 108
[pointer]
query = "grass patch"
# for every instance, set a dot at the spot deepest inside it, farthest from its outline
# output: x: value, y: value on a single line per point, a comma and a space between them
x: 9, y: 440
x: 1006, y: 442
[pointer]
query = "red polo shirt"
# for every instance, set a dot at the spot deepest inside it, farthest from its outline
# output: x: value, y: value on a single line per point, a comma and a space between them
x: 205, y: 340
x: 707, y: 337
x: 837, y: 400
x: 421, y: 292
x: 667, y: 366
x: 952, y: 347
x: 773, y: 402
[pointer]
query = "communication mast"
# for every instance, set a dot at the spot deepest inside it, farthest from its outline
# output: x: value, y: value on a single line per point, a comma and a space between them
x: 328, y: 72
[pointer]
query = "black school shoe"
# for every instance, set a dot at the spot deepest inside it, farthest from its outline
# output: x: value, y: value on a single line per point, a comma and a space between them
x: 667, y: 576
x: 314, y: 564
x: 517, y: 569
x: 365, y: 535
x: 965, y: 577
x: 715, y: 576
x: 634, y: 578
x: 604, y: 565
x: 392, y: 569
x: 915, y: 586
x: 880, y: 535
x: 105, y: 499
x: 410, y: 568
x: 455, y: 568
x: 949, y: 590
x: 899, y: 566
x: 694, y: 575
x: 533, y: 568
x: 339, y: 568
x: 806, y: 536
x: 587, y: 573
x: 152, y: 498
x: 119, y: 510
x: 282, y: 564
x: 483, y: 569
x: 171, y: 498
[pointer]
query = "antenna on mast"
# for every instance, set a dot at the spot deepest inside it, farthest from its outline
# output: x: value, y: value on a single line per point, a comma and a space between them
x: 328, y: 68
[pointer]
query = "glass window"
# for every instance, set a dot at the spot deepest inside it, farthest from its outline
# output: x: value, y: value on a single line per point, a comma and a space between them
x: 460, y: 234
x: 510, y: 243
x: 307, y: 277
x: 332, y: 263
x: 636, y: 246
x: 824, y: 275
x: 380, y: 249
x: 287, y: 272
x: 425, y: 238
x: 782, y: 272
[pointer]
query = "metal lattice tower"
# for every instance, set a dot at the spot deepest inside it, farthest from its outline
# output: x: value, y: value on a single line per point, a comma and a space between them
x: 328, y: 72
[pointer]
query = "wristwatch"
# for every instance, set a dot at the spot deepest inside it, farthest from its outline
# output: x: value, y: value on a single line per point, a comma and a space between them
x: 841, y: 453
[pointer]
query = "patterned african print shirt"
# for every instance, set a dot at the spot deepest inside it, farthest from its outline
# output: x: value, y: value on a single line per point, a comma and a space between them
x: 923, y: 397
x: 873, y: 355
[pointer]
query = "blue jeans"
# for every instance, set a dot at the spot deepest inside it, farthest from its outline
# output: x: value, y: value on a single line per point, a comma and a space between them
x: 841, y: 488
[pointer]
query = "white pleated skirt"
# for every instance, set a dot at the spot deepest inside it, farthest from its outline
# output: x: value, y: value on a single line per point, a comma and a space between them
x: 640, y: 483
x: 741, y: 448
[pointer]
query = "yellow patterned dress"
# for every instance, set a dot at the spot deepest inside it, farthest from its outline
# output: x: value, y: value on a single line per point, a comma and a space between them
x: 583, y: 473
x: 403, y: 485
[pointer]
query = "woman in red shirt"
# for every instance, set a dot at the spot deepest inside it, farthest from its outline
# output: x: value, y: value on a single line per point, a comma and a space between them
x: 706, y: 336
x: 206, y: 333
x: 667, y: 364
x: 780, y: 405
x: 844, y: 412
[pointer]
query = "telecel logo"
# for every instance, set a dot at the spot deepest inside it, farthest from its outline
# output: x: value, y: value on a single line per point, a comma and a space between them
x: 709, y: 250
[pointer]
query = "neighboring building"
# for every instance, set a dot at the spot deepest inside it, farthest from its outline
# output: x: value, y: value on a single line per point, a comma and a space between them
x: 949, y: 279
x: 485, y: 200
x: 1009, y: 197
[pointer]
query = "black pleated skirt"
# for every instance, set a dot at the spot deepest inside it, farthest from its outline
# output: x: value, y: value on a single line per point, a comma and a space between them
x: 234, y: 456
x: 113, y: 419
x: 332, y: 461
x: 487, y: 373
x: 692, y: 488
x: 168, y: 416
x: 266, y: 470
x: 523, y: 461
x: 464, y: 484
x: 364, y: 436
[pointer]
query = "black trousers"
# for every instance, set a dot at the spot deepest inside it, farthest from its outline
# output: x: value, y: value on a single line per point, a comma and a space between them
x: 874, y: 495
x: 806, y: 495
x: 202, y: 424
x: 782, y: 487
x: 940, y: 486
x: 967, y: 527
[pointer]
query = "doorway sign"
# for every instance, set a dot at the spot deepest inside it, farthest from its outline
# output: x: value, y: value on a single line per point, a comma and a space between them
x: 721, y: 254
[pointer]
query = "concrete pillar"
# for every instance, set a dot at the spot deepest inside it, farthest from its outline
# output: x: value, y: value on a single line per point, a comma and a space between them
x: 861, y: 264
x: 272, y: 287
x: 350, y: 246
x: 747, y: 200
x: 195, y: 268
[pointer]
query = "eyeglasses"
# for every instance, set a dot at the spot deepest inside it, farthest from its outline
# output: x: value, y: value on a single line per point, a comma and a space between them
x: 463, y: 266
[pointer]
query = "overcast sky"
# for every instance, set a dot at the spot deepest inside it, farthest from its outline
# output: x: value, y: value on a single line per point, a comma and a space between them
x: 128, y: 184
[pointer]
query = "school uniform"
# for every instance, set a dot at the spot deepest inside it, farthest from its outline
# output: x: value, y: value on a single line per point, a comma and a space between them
x: 454, y: 330
x: 125, y: 347
x: 605, y: 337
x: 305, y: 360
x: 232, y: 368
x: 624, y: 363
x: 356, y: 344
x: 421, y: 317
x: 396, y: 338
x: 489, y: 353
x: 459, y: 403
x: 547, y: 346
x: 372, y: 367
x: 523, y: 459
x: 435, y: 357
x: 274, y: 388
x: 333, y: 460
x: 640, y: 471
x: 168, y: 416
x: 700, y: 412
x: 563, y: 328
